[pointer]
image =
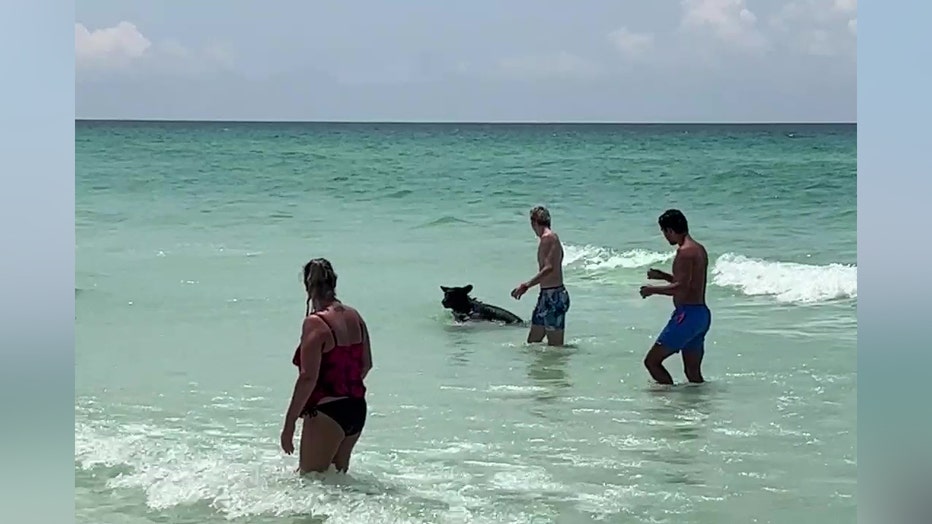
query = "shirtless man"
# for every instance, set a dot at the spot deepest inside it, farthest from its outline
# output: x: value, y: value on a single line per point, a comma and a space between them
x: 686, y: 330
x: 549, y: 317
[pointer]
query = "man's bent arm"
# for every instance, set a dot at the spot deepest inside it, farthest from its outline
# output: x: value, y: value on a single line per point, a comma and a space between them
x: 681, y: 277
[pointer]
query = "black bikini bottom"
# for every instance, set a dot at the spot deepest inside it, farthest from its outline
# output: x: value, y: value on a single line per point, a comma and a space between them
x: 349, y: 413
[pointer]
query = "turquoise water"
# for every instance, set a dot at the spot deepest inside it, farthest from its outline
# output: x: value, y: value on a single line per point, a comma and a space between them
x: 190, y: 240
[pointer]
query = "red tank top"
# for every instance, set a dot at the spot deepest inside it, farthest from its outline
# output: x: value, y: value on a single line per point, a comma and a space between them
x: 340, y: 372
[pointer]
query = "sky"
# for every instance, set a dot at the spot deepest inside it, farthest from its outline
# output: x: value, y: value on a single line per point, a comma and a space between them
x: 468, y: 61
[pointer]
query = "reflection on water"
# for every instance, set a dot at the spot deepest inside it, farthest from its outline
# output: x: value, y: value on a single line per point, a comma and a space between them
x: 462, y: 351
x: 547, y: 371
x: 466, y: 337
x: 462, y: 342
x: 679, y: 418
x: 680, y: 407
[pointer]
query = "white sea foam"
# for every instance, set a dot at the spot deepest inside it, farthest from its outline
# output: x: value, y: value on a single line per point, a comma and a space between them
x: 788, y: 282
x: 239, y: 479
x: 594, y: 258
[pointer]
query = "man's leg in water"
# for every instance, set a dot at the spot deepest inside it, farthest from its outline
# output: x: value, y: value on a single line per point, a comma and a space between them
x: 653, y: 361
x: 693, y: 351
x: 538, y: 331
x: 555, y: 325
x: 549, y: 317
x: 555, y: 319
x: 555, y: 337
x: 673, y: 338
x: 692, y: 365
x: 536, y: 334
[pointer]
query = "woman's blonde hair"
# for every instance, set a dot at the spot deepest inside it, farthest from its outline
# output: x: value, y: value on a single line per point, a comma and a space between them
x: 320, y: 281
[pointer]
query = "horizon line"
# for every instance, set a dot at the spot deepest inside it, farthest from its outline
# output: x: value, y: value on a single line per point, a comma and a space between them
x: 462, y: 122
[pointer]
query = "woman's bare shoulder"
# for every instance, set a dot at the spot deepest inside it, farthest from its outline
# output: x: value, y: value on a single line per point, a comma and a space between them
x: 357, y: 315
x: 314, y: 321
x: 346, y: 313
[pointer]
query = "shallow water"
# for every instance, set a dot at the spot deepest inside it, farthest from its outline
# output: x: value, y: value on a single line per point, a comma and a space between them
x: 190, y: 239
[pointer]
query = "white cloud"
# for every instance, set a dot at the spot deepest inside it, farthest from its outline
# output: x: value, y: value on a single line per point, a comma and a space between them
x: 850, y: 9
x: 115, y: 46
x: 847, y: 7
x: 124, y: 48
x: 634, y: 46
x: 562, y: 64
x: 727, y: 20
x: 818, y: 27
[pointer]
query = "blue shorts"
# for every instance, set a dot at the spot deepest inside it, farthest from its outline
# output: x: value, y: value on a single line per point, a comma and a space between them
x: 686, y: 329
x: 552, y: 305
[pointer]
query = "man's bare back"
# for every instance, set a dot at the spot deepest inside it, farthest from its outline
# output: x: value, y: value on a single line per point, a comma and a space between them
x: 693, y: 260
x: 550, y: 247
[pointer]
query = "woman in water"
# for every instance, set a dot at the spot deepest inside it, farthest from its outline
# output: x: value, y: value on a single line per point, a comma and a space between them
x: 333, y: 360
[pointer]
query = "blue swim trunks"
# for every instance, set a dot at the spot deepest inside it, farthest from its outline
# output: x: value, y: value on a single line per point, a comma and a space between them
x: 686, y: 329
x: 552, y: 305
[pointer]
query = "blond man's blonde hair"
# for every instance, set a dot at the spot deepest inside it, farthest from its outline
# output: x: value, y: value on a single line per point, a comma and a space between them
x: 541, y: 216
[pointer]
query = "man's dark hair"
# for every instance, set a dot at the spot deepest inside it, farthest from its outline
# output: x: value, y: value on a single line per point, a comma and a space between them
x: 674, y: 220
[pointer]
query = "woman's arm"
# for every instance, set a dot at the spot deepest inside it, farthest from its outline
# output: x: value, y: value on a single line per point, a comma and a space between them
x: 367, y: 349
x: 311, y: 346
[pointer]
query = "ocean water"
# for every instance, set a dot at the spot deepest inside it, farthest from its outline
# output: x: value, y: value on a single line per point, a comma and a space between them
x: 190, y: 240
